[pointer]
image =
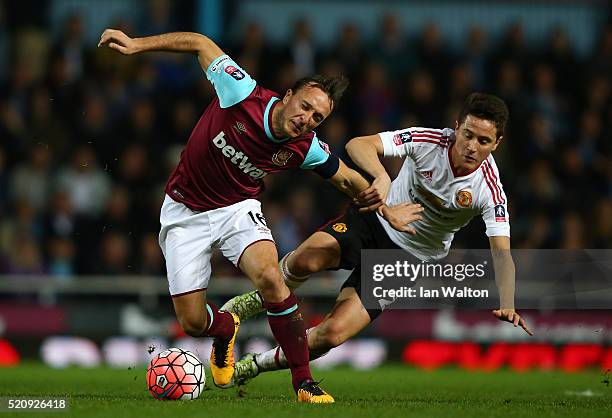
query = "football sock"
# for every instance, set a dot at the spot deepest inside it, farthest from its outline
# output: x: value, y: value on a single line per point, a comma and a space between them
x: 219, y: 324
x: 271, y: 360
x: 291, y: 280
x: 288, y: 328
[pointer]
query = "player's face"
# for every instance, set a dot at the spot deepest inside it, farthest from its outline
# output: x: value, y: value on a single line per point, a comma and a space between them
x: 304, y: 110
x: 475, y: 139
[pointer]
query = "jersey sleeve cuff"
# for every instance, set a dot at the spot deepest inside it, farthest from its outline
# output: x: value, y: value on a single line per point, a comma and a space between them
x: 329, y: 167
x: 498, y: 232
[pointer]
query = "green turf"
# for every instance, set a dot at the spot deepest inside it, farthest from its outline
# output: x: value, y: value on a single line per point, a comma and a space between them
x: 391, y: 391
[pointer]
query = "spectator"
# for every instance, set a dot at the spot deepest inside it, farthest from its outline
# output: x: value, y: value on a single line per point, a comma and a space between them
x: 150, y: 259
x: 71, y: 48
x: 25, y: 257
x: 349, y: 51
x: 31, y: 181
x: 302, y: 49
x: 391, y: 47
x: 24, y: 225
x: 114, y: 255
x: 61, y: 260
x: 87, y: 185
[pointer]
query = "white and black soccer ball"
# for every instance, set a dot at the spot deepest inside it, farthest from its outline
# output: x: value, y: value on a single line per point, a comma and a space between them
x: 176, y: 374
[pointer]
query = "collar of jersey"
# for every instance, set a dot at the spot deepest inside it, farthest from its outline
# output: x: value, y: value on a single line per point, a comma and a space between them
x: 266, y: 122
x: 449, y: 161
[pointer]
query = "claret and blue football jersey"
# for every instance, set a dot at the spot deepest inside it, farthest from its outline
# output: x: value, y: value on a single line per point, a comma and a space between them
x: 232, y: 147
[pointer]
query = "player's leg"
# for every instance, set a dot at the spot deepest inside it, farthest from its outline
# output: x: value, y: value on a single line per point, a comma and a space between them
x: 349, y: 235
x: 346, y: 319
x: 248, y: 243
x: 319, y: 252
x: 352, y: 233
x: 260, y: 263
x: 185, y: 240
x: 201, y: 319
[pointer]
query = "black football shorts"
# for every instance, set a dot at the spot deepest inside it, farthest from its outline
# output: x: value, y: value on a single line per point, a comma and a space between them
x: 354, y: 232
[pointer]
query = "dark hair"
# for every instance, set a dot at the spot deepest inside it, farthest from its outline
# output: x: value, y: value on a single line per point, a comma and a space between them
x: 333, y: 86
x: 488, y: 107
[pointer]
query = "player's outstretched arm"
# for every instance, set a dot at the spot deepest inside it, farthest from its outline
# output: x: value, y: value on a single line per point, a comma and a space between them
x: 364, y: 152
x: 353, y: 184
x: 505, y: 280
x: 201, y: 45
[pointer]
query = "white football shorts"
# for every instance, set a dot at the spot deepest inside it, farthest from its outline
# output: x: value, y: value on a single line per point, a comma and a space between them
x: 187, y: 239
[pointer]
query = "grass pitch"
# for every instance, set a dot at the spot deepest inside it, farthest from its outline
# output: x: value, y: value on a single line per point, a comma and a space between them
x: 391, y: 391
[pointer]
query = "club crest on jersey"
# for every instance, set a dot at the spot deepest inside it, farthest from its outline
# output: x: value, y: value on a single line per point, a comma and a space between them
x: 399, y: 139
x: 340, y: 227
x: 464, y: 198
x: 281, y: 157
x: 500, y: 213
x: 234, y: 72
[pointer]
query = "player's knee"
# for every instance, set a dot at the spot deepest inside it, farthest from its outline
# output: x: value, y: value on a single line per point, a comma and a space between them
x: 304, y: 265
x: 308, y: 261
x: 270, y: 283
x: 192, y: 326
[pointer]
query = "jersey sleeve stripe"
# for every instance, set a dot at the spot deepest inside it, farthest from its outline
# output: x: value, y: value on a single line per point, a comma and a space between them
x: 492, y: 185
x: 491, y: 188
x: 487, y: 168
x: 426, y: 131
x: 432, y: 136
x: 495, y: 181
x: 440, y: 143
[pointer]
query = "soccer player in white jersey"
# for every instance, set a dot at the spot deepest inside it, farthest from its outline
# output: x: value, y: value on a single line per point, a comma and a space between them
x: 448, y: 177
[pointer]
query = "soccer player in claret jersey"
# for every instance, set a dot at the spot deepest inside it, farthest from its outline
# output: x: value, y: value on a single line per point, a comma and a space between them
x: 246, y: 133
x: 448, y: 177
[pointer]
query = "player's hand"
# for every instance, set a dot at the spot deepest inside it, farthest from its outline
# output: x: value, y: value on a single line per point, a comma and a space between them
x: 119, y: 41
x: 509, y: 315
x: 374, y: 196
x: 400, y: 216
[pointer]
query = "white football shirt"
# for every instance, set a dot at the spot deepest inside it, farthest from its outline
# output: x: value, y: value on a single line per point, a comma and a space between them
x: 450, y: 201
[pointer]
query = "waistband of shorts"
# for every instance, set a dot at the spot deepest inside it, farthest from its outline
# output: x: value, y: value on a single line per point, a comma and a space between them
x: 237, y: 205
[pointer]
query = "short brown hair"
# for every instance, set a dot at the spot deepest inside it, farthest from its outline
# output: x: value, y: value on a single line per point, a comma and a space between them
x: 333, y: 86
x: 488, y: 107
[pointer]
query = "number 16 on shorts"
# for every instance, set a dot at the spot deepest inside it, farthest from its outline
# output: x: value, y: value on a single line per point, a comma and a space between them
x: 258, y: 218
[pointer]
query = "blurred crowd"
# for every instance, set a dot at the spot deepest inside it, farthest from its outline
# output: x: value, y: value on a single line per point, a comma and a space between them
x: 89, y: 137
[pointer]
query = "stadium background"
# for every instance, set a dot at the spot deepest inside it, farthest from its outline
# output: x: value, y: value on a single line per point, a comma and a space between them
x: 88, y: 137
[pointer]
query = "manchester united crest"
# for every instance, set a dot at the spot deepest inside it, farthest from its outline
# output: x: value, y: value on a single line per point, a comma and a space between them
x: 464, y: 198
x: 281, y: 157
x: 339, y: 227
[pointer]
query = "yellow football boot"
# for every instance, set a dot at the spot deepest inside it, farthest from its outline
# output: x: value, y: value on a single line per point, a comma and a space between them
x: 222, y: 358
x: 311, y: 392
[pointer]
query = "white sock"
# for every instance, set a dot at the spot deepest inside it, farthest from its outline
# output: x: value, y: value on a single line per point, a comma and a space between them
x: 291, y: 280
x: 274, y: 359
x: 271, y: 360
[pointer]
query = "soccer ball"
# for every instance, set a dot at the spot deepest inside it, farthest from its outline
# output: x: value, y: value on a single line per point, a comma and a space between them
x: 176, y: 374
